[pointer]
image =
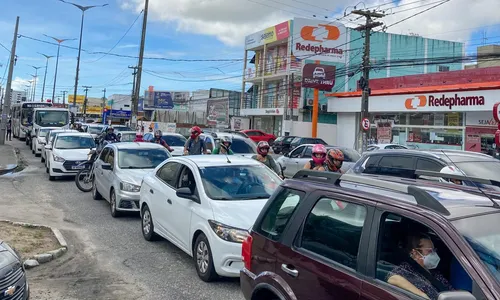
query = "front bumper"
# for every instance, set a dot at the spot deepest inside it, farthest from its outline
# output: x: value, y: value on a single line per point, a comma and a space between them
x: 14, y: 286
x: 59, y: 169
x: 127, y: 201
x: 226, y: 256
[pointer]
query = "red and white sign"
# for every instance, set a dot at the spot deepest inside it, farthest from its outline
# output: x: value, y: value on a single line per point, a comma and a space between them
x: 496, y: 112
x: 365, y: 123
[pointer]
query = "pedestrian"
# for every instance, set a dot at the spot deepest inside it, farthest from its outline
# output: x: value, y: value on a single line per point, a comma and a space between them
x: 9, y: 130
x: 195, y: 145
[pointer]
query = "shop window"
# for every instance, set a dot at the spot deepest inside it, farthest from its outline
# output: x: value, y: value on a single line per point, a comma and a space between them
x: 443, y: 68
x: 437, y: 119
x: 398, y: 136
x: 429, y: 138
x: 396, y: 119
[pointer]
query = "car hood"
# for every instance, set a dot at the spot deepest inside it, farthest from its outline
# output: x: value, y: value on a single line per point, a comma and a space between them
x: 178, y: 150
x: 72, y: 154
x: 133, y: 176
x: 240, y: 214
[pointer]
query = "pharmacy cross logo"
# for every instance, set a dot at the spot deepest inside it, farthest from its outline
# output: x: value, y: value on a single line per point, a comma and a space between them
x: 307, y: 33
x: 420, y: 101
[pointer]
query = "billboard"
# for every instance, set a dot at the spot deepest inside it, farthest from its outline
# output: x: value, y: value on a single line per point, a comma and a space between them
x: 319, y: 40
x: 268, y: 35
x: 321, y: 77
x: 218, y: 112
x: 79, y: 99
x: 171, y: 100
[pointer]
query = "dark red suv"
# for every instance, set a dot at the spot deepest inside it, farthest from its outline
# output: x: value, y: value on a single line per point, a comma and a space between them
x: 330, y: 236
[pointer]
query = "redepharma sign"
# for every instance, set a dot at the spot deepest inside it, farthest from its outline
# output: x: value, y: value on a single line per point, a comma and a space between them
x: 269, y: 35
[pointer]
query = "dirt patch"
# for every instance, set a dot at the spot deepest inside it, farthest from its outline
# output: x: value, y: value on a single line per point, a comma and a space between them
x: 29, y: 241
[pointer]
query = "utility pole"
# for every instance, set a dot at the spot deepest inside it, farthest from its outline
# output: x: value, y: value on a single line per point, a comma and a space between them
x: 135, y: 98
x: 133, y: 85
x: 103, y: 103
x: 64, y: 98
x: 8, y: 91
x: 35, y: 78
x: 364, y: 82
x: 86, y: 89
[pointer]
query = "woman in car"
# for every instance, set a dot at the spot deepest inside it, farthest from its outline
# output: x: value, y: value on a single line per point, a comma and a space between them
x: 317, y: 163
x: 417, y: 274
x: 263, y: 157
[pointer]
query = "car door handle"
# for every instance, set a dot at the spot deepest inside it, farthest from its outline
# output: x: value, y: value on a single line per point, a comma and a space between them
x: 169, y: 201
x: 151, y: 191
x: 289, y: 271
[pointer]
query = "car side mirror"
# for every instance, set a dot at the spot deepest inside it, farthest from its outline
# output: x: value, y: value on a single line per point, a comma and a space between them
x: 456, y: 295
x: 187, y: 193
x: 108, y: 167
x: 48, y: 147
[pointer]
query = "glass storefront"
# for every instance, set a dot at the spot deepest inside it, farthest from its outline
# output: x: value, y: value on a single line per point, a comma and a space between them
x: 268, y: 124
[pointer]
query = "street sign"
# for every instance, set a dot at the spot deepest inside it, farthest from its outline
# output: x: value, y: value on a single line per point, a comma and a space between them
x: 496, y: 112
x: 365, y: 123
x: 321, y: 77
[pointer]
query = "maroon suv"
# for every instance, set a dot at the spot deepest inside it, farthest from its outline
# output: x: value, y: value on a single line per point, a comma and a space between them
x: 330, y: 236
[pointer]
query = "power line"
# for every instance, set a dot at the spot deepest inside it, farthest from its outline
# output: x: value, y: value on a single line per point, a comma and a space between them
x: 2, y: 45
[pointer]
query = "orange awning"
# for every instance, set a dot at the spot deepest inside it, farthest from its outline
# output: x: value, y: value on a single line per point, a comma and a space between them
x: 424, y: 90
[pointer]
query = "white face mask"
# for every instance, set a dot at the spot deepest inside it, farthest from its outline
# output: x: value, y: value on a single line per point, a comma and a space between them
x: 431, y: 260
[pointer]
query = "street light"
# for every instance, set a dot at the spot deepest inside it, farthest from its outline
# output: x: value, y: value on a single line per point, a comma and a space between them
x: 59, y: 41
x: 83, y: 9
x: 35, y: 76
x: 45, y: 76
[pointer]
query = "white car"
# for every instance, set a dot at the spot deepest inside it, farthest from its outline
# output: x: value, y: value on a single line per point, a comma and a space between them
x: 176, y: 141
x: 119, y: 170
x: 68, y: 150
x: 49, y: 138
x: 94, y: 129
x: 39, y: 140
x: 205, y: 204
x: 374, y: 147
x: 126, y: 136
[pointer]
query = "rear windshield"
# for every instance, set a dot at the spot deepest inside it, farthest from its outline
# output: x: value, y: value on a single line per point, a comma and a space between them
x: 487, y: 169
x: 174, y: 140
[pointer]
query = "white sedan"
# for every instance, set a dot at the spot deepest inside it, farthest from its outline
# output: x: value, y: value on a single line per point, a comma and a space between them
x: 205, y: 204
x: 39, y: 140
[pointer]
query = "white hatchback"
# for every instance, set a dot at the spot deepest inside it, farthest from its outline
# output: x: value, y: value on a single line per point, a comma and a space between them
x: 205, y: 204
x: 39, y: 140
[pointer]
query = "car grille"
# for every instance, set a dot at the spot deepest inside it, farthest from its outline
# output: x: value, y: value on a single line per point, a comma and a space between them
x: 129, y: 204
x: 70, y: 163
x: 9, y: 280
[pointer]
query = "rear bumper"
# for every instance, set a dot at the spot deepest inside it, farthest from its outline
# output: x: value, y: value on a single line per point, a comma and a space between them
x: 247, y: 283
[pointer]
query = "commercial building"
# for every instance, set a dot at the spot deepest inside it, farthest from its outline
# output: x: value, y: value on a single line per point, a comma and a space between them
x: 17, y: 96
x: 447, y: 110
x: 275, y: 101
x: 488, y: 56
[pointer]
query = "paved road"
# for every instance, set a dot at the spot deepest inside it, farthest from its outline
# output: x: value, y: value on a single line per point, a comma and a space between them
x: 108, y: 258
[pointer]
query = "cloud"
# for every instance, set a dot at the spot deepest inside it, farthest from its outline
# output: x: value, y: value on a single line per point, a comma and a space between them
x: 230, y: 20
x: 19, y: 84
x: 175, y: 53
x: 128, y: 46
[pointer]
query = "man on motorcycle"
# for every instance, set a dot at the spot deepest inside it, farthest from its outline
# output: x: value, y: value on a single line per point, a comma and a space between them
x: 334, y: 160
x: 224, y: 147
x: 110, y: 135
x: 195, y: 145
x: 158, y: 140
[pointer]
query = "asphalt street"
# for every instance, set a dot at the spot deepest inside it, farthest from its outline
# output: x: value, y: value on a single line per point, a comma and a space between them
x: 108, y: 258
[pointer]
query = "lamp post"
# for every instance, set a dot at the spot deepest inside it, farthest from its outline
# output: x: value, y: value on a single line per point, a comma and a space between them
x: 83, y: 9
x: 34, y: 85
x: 45, y: 75
x: 59, y: 41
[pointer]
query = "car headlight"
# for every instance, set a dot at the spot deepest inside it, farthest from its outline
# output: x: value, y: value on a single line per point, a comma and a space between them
x: 58, y: 158
x: 129, y: 187
x: 228, y: 233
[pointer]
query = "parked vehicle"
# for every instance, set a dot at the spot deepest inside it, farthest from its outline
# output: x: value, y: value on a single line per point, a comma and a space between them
x: 84, y: 179
x: 297, y: 141
x: 282, y: 144
x: 126, y: 136
x: 296, y: 160
x: 39, y: 141
x: 48, y: 117
x: 204, y: 205
x: 176, y: 141
x: 348, y: 236
x: 21, y: 116
x: 259, y: 136
x: 374, y: 147
x: 119, y: 170
x: 13, y: 279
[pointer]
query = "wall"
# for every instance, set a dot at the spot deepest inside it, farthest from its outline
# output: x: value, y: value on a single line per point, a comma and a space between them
x: 346, y: 130
x: 121, y: 102
x: 328, y: 132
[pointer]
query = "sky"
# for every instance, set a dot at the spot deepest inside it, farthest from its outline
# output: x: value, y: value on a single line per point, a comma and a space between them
x: 207, y: 34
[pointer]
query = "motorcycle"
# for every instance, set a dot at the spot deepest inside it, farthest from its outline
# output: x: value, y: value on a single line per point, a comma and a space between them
x: 86, y: 174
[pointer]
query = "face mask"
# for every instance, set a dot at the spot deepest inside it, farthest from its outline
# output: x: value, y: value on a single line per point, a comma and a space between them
x: 193, y: 135
x: 431, y: 260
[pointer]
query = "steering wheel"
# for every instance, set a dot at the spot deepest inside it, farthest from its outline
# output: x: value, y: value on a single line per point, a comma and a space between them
x: 247, y: 187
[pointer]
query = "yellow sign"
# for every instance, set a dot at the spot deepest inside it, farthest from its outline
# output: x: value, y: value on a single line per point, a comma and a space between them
x: 92, y: 110
x: 79, y: 99
x: 269, y: 35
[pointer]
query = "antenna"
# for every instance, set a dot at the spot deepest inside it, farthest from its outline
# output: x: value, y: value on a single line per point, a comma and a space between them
x: 495, y: 204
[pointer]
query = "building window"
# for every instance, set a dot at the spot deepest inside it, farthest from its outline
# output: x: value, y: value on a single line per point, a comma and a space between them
x: 443, y: 68
x: 437, y: 119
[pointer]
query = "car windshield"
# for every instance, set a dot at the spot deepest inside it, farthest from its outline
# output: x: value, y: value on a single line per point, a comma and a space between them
x: 239, y: 182
x: 241, y: 146
x: 296, y: 140
x: 95, y: 129
x: 26, y: 116
x: 56, y: 118
x: 141, y: 158
x: 127, y: 137
x: 483, y: 234
x: 279, y: 139
x: 487, y: 169
x: 42, y: 132
x: 174, y: 140
x: 74, y: 142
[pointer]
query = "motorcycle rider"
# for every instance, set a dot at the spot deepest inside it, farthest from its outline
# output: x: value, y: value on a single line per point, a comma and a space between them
x: 139, y: 138
x: 158, y: 140
x: 262, y: 156
x: 450, y: 170
x: 317, y: 163
x: 224, y: 147
x: 195, y: 145
x: 334, y: 160
x: 110, y: 135
x: 79, y: 127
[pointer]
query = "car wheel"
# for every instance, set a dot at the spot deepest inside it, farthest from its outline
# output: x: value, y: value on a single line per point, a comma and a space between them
x: 148, y: 227
x: 112, y: 205
x: 52, y: 178
x: 95, y: 194
x: 203, y: 259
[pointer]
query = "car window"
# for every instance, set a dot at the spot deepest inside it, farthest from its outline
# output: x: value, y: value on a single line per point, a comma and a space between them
x: 371, y: 148
x: 308, y: 152
x: 104, y: 152
x: 307, y: 141
x: 391, y: 165
x: 289, y: 139
x: 333, y: 230
x: 187, y: 179
x: 168, y: 172
x: 296, y: 152
x: 251, y: 133
x: 279, y: 139
x: 320, y: 141
x: 110, y: 158
x: 395, y: 147
x: 296, y: 140
x: 141, y: 158
x: 174, y: 140
x: 403, y: 162
x: 487, y: 169
x: 428, y: 165
x: 279, y: 213
x: 127, y: 137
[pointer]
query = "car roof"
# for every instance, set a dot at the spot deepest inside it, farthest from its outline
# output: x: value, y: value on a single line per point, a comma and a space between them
x: 75, y: 134
x: 63, y: 130
x: 135, y: 145
x: 128, y: 131
x: 229, y: 134
x: 172, y: 133
x: 218, y: 160
x: 326, y: 146
x: 396, y: 152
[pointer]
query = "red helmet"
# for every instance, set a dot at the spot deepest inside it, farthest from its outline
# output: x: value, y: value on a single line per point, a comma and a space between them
x: 261, y: 146
x: 318, y: 154
x: 334, y: 154
x: 196, y: 129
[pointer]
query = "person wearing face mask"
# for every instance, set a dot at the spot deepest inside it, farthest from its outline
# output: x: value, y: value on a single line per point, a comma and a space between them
x: 417, y: 274
x: 334, y: 160
x: 225, y: 146
x: 317, y: 163
x: 263, y: 157
x: 195, y: 145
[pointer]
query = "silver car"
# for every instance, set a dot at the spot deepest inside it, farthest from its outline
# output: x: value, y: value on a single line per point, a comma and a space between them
x: 119, y: 170
x: 298, y: 157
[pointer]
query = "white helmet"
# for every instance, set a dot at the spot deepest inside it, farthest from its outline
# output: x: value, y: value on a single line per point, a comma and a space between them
x: 451, y: 170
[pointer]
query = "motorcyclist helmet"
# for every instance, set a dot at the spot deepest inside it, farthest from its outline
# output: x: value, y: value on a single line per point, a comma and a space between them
x: 451, y: 170
x: 225, y: 142
x: 318, y: 154
x: 335, y: 158
x: 263, y: 148
x: 158, y: 134
x: 195, y: 131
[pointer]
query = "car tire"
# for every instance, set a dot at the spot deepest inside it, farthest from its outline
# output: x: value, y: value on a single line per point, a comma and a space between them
x: 147, y: 225
x: 52, y: 178
x: 112, y: 204
x: 95, y: 194
x: 202, y: 255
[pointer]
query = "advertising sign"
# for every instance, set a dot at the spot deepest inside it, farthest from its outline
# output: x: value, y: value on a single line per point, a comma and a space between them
x: 79, y: 99
x: 268, y: 35
x: 321, y: 77
x: 319, y: 40
x: 218, y: 112
x: 118, y: 114
x: 384, y: 133
x: 163, y: 100
x: 94, y: 110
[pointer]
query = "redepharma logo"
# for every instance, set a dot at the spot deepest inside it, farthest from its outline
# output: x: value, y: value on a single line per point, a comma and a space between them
x: 443, y: 100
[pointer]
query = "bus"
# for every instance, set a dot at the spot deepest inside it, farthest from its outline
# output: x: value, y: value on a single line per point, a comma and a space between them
x: 21, y: 114
x: 49, y: 117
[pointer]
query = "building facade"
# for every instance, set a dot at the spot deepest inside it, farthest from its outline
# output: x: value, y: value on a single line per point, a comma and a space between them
x: 274, y: 99
x: 17, y: 96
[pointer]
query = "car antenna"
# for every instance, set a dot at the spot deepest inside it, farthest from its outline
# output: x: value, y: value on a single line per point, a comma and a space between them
x: 227, y: 157
x: 495, y: 204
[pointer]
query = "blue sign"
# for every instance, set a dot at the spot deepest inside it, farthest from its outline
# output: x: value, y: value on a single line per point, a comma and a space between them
x: 119, y: 114
x: 163, y: 100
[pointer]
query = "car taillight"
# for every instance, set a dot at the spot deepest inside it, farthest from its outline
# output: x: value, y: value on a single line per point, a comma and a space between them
x: 246, y: 252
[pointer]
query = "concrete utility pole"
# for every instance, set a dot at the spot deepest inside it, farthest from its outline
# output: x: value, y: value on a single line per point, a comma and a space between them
x: 45, y: 75
x: 364, y: 81
x: 64, y: 98
x: 86, y: 89
x: 134, y: 85
x: 8, y: 90
x: 135, y: 98
x: 103, y: 99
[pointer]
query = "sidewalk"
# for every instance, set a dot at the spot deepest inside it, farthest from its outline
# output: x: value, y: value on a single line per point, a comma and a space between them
x: 8, y: 158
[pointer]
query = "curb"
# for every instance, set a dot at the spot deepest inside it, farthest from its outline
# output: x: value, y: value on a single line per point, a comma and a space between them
x: 42, y: 258
x: 11, y: 167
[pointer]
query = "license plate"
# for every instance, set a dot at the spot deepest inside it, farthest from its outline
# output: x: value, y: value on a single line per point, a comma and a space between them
x: 77, y: 167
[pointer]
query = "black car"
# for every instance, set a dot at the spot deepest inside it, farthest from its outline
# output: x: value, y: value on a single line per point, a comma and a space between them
x: 297, y: 141
x: 282, y: 144
x: 13, y: 282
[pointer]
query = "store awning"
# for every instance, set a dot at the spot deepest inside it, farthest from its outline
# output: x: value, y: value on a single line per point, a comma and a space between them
x: 426, y: 89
